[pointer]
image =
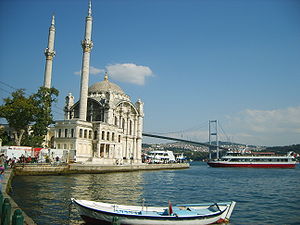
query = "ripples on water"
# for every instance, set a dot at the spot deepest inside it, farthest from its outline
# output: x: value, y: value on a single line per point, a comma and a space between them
x: 263, y: 196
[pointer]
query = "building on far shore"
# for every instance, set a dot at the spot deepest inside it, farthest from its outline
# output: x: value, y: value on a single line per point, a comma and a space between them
x: 104, y: 126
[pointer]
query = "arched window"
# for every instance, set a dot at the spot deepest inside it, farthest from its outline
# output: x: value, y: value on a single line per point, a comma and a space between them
x: 116, y: 121
x: 103, y: 135
x: 123, y: 124
x: 85, y: 133
x: 59, y: 133
x: 66, y: 133
x: 113, y: 136
x: 72, y: 132
x: 80, y: 133
x: 96, y: 135
x: 130, y: 127
x: 90, y: 134
x: 108, y: 136
x: 119, y: 138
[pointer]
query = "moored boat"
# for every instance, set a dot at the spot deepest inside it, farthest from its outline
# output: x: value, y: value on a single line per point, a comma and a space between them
x: 185, y: 214
x: 255, y: 160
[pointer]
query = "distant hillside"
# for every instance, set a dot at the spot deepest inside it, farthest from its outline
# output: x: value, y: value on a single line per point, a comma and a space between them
x: 284, y: 149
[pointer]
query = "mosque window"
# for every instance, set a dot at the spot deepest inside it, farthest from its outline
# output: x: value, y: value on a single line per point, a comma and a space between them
x: 66, y: 132
x: 130, y: 127
x: 72, y: 132
x: 123, y: 124
x: 90, y: 134
x: 95, y: 134
x: 113, y: 136
x: 108, y: 136
x: 80, y: 133
x: 85, y: 133
x: 59, y: 133
x: 103, y: 135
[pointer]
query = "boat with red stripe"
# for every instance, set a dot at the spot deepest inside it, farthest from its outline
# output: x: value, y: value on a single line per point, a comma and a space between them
x: 255, y: 160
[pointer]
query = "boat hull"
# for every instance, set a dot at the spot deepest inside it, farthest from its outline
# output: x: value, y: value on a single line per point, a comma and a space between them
x: 96, y: 216
x: 252, y: 165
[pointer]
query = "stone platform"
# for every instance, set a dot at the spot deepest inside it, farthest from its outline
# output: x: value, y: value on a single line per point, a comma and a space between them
x: 48, y: 169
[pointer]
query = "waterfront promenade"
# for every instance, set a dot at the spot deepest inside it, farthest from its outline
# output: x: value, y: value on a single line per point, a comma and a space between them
x: 6, y: 188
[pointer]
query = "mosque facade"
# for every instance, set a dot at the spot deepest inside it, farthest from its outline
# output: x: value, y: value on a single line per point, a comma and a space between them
x: 103, y: 126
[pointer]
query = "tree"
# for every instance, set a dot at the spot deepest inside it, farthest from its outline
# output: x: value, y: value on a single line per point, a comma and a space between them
x: 5, y: 137
x: 29, y: 117
x: 19, y: 112
x: 43, y: 101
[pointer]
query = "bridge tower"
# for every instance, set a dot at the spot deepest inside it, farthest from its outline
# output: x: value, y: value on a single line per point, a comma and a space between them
x: 213, y: 136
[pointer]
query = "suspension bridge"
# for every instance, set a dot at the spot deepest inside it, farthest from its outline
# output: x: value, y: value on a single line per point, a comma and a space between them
x: 213, y: 138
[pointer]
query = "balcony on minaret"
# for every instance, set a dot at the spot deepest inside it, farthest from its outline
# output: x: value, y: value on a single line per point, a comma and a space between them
x: 87, y: 45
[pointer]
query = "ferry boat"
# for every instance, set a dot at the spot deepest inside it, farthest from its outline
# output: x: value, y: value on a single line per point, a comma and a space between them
x: 255, y: 160
x: 160, y: 156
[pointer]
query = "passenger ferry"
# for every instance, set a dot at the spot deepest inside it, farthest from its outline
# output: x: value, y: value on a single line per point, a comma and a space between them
x: 160, y: 156
x: 255, y: 160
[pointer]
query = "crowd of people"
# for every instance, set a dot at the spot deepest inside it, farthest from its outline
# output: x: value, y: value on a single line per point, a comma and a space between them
x: 9, y: 163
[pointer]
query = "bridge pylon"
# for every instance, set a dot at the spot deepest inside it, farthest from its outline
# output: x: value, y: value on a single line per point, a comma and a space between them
x: 213, y: 136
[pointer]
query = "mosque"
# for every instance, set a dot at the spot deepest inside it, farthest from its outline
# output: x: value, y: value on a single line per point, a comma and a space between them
x: 103, y: 126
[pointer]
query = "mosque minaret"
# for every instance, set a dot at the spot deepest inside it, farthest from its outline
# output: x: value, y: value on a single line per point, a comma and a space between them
x: 49, y: 53
x: 87, y: 45
x: 104, y: 126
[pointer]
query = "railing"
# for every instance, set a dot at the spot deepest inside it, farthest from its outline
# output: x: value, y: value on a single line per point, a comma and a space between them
x: 6, y: 217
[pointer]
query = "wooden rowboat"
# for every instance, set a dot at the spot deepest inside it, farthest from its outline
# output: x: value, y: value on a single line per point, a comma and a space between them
x: 197, y: 214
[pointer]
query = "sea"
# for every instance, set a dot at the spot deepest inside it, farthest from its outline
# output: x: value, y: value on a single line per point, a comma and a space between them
x: 263, y: 196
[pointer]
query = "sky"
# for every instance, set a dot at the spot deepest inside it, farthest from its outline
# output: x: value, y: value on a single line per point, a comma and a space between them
x: 189, y: 61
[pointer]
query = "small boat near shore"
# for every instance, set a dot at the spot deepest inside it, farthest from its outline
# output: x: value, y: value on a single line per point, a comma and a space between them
x: 94, y: 212
x: 255, y: 160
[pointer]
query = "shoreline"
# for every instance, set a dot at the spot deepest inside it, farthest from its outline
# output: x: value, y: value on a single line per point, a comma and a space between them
x: 7, y: 177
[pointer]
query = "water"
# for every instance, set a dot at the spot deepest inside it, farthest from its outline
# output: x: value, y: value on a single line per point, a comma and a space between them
x: 263, y: 196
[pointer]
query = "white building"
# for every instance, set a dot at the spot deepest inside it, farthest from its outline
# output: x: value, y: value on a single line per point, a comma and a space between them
x: 104, y: 126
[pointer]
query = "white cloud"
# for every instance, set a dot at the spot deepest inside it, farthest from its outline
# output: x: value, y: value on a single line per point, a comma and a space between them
x: 129, y: 72
x: 266, y: 127
x: 93, y: 71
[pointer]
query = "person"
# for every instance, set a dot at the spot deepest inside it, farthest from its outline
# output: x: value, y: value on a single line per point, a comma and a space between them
x: 2, y: 162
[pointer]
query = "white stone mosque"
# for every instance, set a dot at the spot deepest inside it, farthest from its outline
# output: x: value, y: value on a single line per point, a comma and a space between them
x: 104, y: 126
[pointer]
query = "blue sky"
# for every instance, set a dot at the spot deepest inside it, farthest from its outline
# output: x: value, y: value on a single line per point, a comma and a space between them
x: 190, y: 61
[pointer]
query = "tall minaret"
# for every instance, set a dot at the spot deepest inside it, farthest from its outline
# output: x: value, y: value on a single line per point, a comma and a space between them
x: 87, y: 45
x: 49, y: 53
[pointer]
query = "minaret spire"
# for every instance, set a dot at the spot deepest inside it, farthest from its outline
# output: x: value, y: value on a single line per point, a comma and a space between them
x: 87, y: 45
x: 49, y: 53
x: 90, y: 8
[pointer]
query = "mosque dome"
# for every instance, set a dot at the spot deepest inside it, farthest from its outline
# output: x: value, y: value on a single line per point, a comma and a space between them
x: 105, y: 86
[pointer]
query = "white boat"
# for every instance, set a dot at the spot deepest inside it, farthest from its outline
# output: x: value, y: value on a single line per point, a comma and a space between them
x: 160, y: 156
x: 255, y: 160
x: 197, y: 214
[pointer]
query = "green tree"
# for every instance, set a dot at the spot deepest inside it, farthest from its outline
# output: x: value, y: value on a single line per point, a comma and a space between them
x: 29, y: 117
x: 5, y: 137
x: 19, y: 112
x: 43, y: 101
